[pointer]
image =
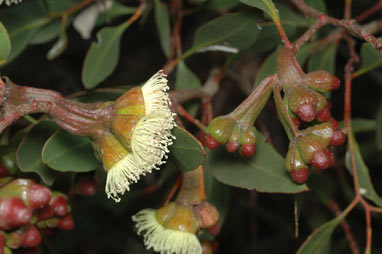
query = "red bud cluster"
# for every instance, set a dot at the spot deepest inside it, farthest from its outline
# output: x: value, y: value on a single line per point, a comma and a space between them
x: 236, y: 135
x: 313, y: 147
x: 26, y: 207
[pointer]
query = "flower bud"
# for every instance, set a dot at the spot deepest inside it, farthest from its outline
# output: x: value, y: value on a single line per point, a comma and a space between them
x: 308, y: 146
x: 302, y: 101
x: 34, y: 195
x: 27, y: 237
x: 59, y: 203
x: 212, y: 143
x: 322, y: 159
x: 324, y: 132
x: 31, y: 237
x: 321, y: 81
x: 221, y: 128
x: 338, y: 138
x: 13, y: 213
x: 86, y: 186
x: 248, y: 141
x: 297, y: 169
x: 66, y: 223
x: 323, y: 115
x: 207, y: 215
x: 233, y: 143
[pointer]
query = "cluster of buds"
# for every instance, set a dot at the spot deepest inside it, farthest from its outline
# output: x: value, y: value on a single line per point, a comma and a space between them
x: 304, y: 101
x: 235, y: 134
x: 236, y: 129
x: 26, y: 207
x: 312, y: 147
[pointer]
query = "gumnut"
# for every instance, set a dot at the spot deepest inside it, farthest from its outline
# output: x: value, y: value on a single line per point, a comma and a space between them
x: 324, y: 114
x: 59, y: 203
x: 66, y: 223
x: 86, y: 186
x: 27, y: 237
x: 233, y: 144
x: 13, y: 213
x: 31, y: 237
x: 45, y: 213
x: 212, y: 143
x: 33, y: 195
x: 220, y: 129
x: 308, y: 146
x: 207, y: 215
x: 297, y: 169
x: 305, y: 103
x: 248, y: 139
x: 322, y: 81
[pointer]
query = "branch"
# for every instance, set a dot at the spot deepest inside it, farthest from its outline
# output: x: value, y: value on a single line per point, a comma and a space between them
x: 347, y: 24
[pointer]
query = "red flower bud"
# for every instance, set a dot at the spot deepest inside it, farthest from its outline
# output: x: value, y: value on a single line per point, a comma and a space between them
x: 212, y: 143
x: 87, y: 186
x: 38, y: 196
x: 66, y: 223
x: 247, y: 150
x: 60, y: 205
x: 31, y: 237
x: 323, y: 115
x: 13, y: 213
x: 338, y: 138
x: 321, y: 159
x: 232, y: 146
x: 299, y: 176
x: 45, y: 213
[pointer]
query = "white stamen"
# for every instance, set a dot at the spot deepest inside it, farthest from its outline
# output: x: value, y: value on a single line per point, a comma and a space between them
x: 164, y: 240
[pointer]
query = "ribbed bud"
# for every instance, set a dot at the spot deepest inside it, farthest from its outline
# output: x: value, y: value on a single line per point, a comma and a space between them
x: 207, y: 215
x: 303, y: 102
x: 321, y: 81
x: 221, y: 128
x: 297, y: 169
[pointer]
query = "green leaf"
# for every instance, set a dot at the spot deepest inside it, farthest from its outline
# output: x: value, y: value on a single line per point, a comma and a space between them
x: 185, y: 78
x: 324, y: 60
x: 378, y: 129
x: 46, y: 33
x: 217, y: 193
x: 264, y: 171
x: 365, y: 184
x: 222, y: 5
x: 22, y: 22
x: 269, y: 36
x: 230, y: 31
x: 266, y: 6
x: 103, y: 56
x: 162, y: 21
x: 57, y: 6
x: 370, y: 58
x: 186, y: 151
x: 288, y: 16
x: 360, y: 125
x: 319, y: 241
x: 5, y: 44
x: 68, y: 153
x: 116, y: 10
x: 319, y: 5
x: 29, y: 151
x: 268, y: 67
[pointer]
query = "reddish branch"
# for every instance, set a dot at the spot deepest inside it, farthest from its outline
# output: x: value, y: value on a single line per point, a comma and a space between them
x: 75, y: 117
x: 348, y: 24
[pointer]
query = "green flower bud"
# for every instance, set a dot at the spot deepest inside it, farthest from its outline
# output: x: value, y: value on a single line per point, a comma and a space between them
x: 221, y: 128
